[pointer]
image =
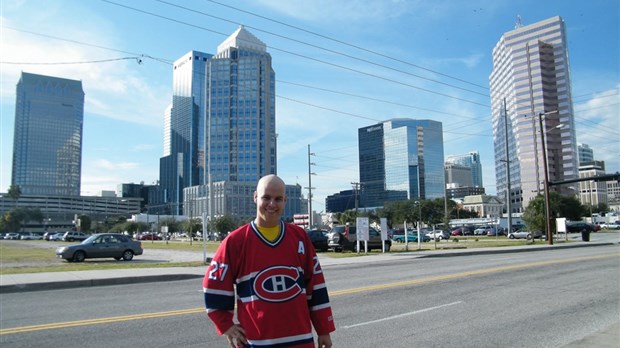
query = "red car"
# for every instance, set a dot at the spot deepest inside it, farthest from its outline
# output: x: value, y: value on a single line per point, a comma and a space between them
x: 148, y: 236
x: 457, y: 232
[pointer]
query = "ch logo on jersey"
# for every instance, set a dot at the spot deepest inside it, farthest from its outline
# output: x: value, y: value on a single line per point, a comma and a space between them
x: 277, y: 284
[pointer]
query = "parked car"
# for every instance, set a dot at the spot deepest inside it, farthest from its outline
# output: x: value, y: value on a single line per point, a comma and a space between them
x: 526, y: 235
x: 579, y: 226
x: 30, y: 236
x: 102, y: 245
x: 481, y: 231
x: 56, y: 237
x: 319, y: 239
x: 611, y: 226
x: 412, y: 236
x: 439, y: 234
x: 148, y: 236
x: 72, y: 236
x: 493, y: 231
x: 12, y: 236
x: 338, y: 240
x: 457, y: 232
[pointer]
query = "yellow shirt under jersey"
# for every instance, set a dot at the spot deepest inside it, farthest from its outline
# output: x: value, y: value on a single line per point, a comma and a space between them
x: 270, y: 233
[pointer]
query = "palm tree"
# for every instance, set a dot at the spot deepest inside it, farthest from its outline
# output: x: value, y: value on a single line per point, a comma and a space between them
x: 15, y: 192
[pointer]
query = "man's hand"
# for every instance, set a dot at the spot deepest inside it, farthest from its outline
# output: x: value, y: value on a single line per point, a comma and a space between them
x: 236, y: 336
x: 324, y: 341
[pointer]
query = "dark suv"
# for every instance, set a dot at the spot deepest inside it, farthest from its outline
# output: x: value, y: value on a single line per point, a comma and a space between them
x: 337, y: 240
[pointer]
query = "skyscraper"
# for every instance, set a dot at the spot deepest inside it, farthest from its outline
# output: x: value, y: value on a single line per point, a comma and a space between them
x: 47, y: 145
x: 401, y: 159
x: 586, y: 154
x: 531, y: 80
x: 222, y: 126
x: 183, y: 162
x: 471, y: 160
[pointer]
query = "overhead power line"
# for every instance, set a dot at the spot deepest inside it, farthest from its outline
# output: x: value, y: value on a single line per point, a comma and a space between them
x: 301, y: 55
x: 348, y: 44
x: 161, y: 60
x: 322, y: 48
x: 138, y: 59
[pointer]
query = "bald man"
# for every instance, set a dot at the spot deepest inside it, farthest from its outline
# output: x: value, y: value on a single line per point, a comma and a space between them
x: 271, y: 270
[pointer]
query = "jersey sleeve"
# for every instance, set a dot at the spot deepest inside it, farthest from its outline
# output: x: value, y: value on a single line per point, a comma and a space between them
x: 317, y: 295
x: 218, y: 288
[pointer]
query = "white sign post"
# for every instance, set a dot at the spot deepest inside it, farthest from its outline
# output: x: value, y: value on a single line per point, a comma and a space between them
x: 384, y: 233
x: 362, y: 232
x: 560, y: 224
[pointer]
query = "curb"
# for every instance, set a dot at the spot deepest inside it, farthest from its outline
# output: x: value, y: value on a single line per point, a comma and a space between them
x: 70, y: 284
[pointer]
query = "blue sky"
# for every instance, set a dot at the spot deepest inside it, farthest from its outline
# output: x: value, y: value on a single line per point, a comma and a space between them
x: 441, y: 62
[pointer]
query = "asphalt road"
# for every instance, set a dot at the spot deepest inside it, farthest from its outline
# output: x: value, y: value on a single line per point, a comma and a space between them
x: 532, y: 299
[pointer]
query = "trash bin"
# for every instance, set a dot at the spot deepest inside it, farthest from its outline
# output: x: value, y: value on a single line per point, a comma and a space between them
x: 585, y: 235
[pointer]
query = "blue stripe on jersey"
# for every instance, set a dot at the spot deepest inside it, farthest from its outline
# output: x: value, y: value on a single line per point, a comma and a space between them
x: 281, y: 342
x: 216, y: 301
x: 319, y: 297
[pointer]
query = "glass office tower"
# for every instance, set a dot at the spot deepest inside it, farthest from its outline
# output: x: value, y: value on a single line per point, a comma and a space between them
x: 47, y: 144
x: 471, y: 160
x: 183, y: 162
x: 241, y: 125
x: 401, y: 159
x: 530, y: 77
x: 221, y: 125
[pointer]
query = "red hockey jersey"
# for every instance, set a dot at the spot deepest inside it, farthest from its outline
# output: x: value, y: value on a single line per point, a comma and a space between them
x: 280, y: 288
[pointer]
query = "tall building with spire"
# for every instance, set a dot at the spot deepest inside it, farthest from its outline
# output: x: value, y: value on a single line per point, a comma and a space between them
x: 47, y: 145
x: 220, y: 128
x: 531, y: 80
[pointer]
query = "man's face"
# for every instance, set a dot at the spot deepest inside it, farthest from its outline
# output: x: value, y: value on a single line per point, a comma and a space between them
x: 270, y: 201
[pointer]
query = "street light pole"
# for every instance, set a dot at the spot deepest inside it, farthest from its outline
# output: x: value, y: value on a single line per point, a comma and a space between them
x: 546, y: 183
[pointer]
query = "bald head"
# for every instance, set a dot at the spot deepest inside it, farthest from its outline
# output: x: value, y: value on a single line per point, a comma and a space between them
x: 270, y: 199
x: 270, y: 180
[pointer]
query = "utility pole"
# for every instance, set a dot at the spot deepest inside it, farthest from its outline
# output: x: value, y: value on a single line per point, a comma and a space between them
x: 508, y: 203
x: 356, y: 187
x: 310, y: 173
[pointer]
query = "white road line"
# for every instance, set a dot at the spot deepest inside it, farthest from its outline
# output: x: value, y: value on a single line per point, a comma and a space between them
x: 401, y: 315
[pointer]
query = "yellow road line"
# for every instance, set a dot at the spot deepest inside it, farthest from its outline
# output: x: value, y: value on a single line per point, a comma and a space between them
x: 332, y: 294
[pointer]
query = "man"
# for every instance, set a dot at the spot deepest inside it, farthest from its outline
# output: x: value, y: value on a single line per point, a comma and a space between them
x: 279, y: 283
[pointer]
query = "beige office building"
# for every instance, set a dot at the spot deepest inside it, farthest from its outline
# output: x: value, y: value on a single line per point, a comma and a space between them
x: 531, y: 74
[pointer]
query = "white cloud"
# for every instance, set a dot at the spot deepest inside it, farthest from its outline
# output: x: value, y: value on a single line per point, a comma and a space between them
x: 111, y: 87
x: 598, y: 125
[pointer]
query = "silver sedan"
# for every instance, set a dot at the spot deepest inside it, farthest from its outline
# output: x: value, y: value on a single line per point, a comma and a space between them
x: 101, y: 245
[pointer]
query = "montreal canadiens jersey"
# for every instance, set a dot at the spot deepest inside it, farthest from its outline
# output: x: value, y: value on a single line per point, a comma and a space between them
x: 279, y: 286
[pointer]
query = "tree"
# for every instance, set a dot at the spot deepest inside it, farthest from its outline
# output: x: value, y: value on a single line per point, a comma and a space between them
x: 14, y: 192
x: 85, y: 223
x: 223, y: 224
x: 559, y: 206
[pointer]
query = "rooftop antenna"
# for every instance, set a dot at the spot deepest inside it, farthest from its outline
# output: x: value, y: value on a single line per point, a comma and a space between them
x: 518, y: 23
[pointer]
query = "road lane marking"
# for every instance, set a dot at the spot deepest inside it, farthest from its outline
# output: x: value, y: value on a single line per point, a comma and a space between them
x: 452, y: 276
x: 401, y: 315
x: 100, y: 321
x: 369, y: 288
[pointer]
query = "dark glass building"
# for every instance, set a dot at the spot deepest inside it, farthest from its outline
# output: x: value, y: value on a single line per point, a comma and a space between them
x: 340, y: 202
x: 47, y: 145
x: 401, y: 159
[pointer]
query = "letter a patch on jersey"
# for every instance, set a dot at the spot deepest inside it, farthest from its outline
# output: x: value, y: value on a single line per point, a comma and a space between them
x: 301, y: 249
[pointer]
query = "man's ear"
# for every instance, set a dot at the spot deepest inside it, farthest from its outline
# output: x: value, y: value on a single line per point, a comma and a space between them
x: 255, y: 197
